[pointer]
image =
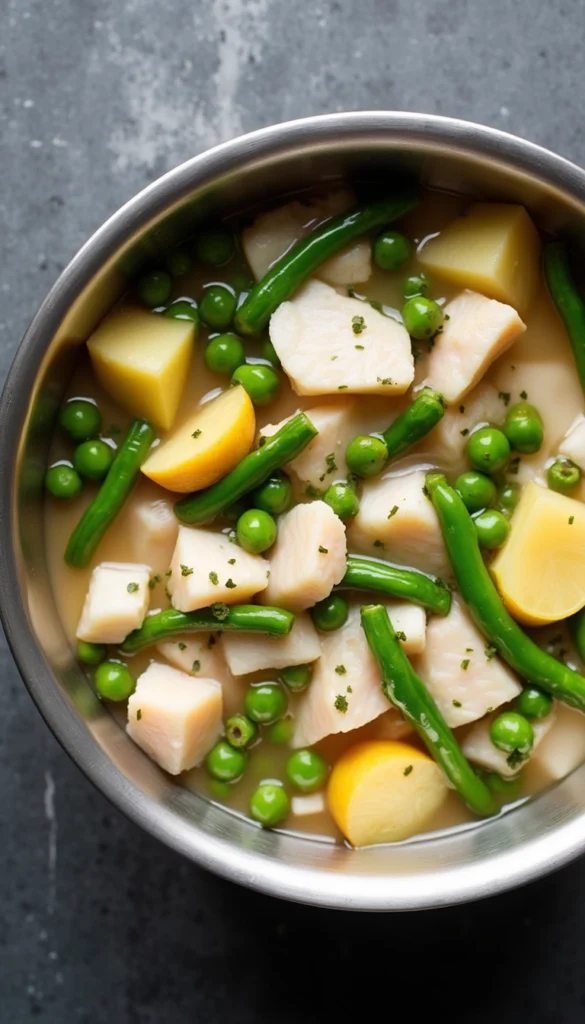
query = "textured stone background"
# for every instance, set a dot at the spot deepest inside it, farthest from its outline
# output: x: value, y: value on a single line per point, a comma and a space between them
x: 99, y: 923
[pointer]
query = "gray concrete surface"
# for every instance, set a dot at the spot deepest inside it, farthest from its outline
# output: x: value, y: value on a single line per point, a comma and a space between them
x: 98, y: 922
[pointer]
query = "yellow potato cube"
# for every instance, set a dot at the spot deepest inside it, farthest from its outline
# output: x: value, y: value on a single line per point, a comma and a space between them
x: 540, y: 572
x: 494, y: 249
x: 142, y: 360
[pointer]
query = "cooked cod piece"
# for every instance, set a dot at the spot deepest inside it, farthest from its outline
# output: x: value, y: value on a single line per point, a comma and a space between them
x: 199, y: 655
x: 245, y: 653
x: 573, y: 444
x: 174, y: 717
x: 563, y: 748
x: 464, y: 676
x: 116, y: 602
x: 482, y: 407
x: 152, y: 527
x: 308, y: 559
x: 206, y: 567
x: 329, y: 343
x: 476, y: 331
x: 323, y: 460
x: 478, y: 747
x: 273, y: 233
x: 398, y: 522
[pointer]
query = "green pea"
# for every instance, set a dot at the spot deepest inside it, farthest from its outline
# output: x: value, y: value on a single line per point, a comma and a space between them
x: 342, y: 498
x: 261, y: 382
x: 510, y: 788
x: 524, y: 429
x: 296, y: 677
x: 274, y: 495
x: 563, y: 475
x: 225, y: 763
x: 179, y: 263
x: 215, y: 246
x: 391, y: 250
x: 113, y: 681
x: 281, y: 732
x: 306, y: 770
x: 183, y: 309
x: 81, y: 419
x: 492, y: 528
x: 233, y: 512
x: 512, y: 733
x: 366, y: 455
x: 509, y: 496
x: 476, y: 490
x: 240, y: 731
x: 488, y: 450
x: 415, y: 285
x: 422, y: 317
x: 331, y: 613
x: 217, y: 307
x: 92, y: 459
x: 155, y: 289
x: 269, y: 354
x: 256, y: 531
x: 224, y: 354
x: 62, y: 481
x: 90, y: 654
x: 269, y: 804
x: 265, y: 703
x: 533, y: 703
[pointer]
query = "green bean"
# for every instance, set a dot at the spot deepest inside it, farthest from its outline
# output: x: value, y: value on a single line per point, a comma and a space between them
x: 405, y: 584
x: 415, y: 423
x: 112, y: 494
x: 567, y: 299
x: 245, y: 618
x: 291, y: 270
x: 486, y: 606
x: 252, y: 471
x: 407, y: 692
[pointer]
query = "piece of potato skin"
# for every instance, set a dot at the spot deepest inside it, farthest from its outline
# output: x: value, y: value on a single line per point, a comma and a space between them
x: 493, y: 249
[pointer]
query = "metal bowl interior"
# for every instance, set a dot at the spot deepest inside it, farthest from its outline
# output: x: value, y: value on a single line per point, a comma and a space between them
x: 495, y: 855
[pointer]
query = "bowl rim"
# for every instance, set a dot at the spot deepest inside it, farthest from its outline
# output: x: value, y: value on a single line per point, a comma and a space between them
x: 269, y: 876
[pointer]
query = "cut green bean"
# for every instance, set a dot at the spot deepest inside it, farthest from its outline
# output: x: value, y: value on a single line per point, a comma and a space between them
x: 407, y: 692
x: 486, y: 606
x: 567, y: 299
x: 291, y: 270
x: 112, y: 494
x: 415, y: 422
x: 405, y: 584
x: 244, y: 618
x: 252, y: 471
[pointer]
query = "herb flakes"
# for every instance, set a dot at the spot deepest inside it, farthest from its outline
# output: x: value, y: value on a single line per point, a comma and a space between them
x: 213, y: 578
x: 358, y: 324
x: 392, y: 512
x: 465, y: 664
x: 196, y: 434
x: 186, y: 570
x: 230, y: 584
x: 341, y: 670
x: 341, y: 703
x: 195, y: 667
x: 132, y: 588
x: 322, y: 550
x: 409, y: 768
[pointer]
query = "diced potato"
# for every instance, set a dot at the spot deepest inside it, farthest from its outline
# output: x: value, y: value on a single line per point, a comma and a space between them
x: 478, y: 747
x: 151, y: 527
x: 206, y: 446
x: 573, y: 444
x: 411, y: 535
x: 482, y: 407
x: 464, y: 682
x: 563, y: 748
x: 313, y: 803
x: 345, y: 672
x: 323, y: 460
x: 494, y: 248
x: 329, y: 343
x: 274, y: 233
x: 116, y: 602
x: 540, y: 571
x: 142, y: 359
x: 383, y: 791
x: 173, y: 717
x: 308, y: 559
x: 246, y: 653
x: 477, y: 332
x: 206, y: 567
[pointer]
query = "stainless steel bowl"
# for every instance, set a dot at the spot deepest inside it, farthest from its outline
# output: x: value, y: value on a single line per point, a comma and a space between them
x: 496, y: 855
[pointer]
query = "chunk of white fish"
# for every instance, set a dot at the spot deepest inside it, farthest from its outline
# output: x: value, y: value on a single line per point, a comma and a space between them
x: 482, y: 407
x: 478, y: 747
x: 151, y: 527
x: 563, y: 748
x: 572, y: 445
x: 308, y: 559
x: 116, y: 602
x: 323, y: 460
x: 245, y: 653
x: 206, y: 567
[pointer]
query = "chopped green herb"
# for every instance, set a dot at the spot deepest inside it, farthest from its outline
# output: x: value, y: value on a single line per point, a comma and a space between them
x: 490, y: 652
x: 186, y: 571
x: 505, y: 397
x: 168, y: 593
x: 182, y: 646
x: 469, y: 650
x: 220, y: 611
x: 515, y: 758
x: 465, y: 664
x: 341, y: 670
x: 343, y: 387
x: 196, y: 666
x: 384, y: 380
x: 213, y: 578
x: 401, y: 635
x: 230, y: 584
x: 571, y: 520
x: 408, y: 769
x: 358, y: 324
x: 464, y: 432
x: 333, y: 358
x: 461, y: 408
x: 169, y: 572
x: 322, y: 550
x: 139, y: 714
x: 340, y: 703
x: 196, y: 433
x: 489, y: 711
x: 132, y: 588
x: 523, y: 395
x: 312, y: 492
x: 231, y: 561
x: 153, y: 582
x: 393, y: 511
x: 379, y: 544
x: 456, y: 703
x: 349, y: 689
x: 360, y: 348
